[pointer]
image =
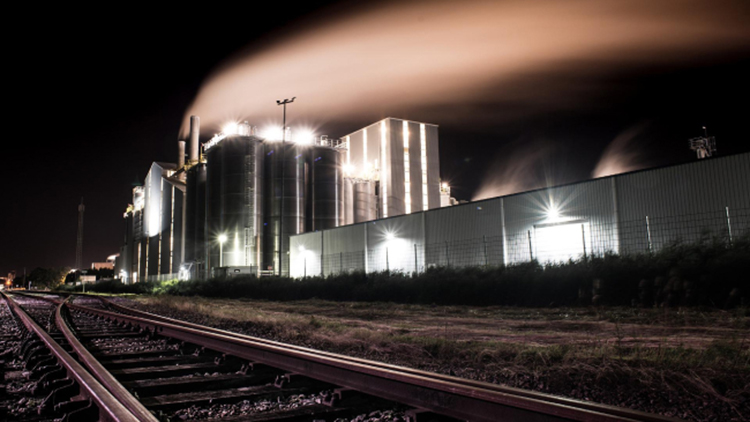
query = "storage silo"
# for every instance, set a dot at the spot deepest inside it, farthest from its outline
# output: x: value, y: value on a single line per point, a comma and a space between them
x: 326, y: 190
x: 234, y: 201
x: 285, y: 175
x: 347, y: 206
x: 365, y: 201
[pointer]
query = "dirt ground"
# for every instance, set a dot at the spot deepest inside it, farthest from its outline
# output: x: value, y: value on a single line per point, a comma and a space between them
x: 689, y: 363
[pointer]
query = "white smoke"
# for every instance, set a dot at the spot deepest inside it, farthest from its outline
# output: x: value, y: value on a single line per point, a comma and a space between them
x: 408, y: 56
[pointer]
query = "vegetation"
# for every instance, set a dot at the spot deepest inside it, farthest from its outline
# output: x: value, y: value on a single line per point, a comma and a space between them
x: 650, y: 359
x: 45, y: 278
x: 709, y: 273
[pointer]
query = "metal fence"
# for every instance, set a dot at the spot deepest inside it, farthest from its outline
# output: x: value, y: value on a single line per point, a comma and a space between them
x: 547, y: 243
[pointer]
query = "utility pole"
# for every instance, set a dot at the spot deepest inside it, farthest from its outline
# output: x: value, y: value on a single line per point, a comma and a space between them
x: 79, y: 243
x: 283, y: 155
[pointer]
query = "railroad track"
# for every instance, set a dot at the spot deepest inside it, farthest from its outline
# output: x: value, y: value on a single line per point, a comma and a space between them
x: 47, y: 381
x: 164, y: 369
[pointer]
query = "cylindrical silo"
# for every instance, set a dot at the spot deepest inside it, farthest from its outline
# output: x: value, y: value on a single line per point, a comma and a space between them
x: 347, y: 205
x: 195, y: 214
x: 327, y: 179
x: 365, y: 204
x: 234, y: 199
x: 287, y: 169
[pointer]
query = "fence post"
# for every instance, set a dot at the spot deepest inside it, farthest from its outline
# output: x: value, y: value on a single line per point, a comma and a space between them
x: 531, y: 251
x: 729, y: 227
x: 648, y: 234
x: 305, y: 268
x: 484, y: 242
x: 416, y: 267
x: 583, y: 236
x: 387, y: 263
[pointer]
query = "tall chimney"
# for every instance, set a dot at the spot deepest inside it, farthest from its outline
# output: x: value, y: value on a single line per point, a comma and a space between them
x: 195, y: 128
x: 180, y: 154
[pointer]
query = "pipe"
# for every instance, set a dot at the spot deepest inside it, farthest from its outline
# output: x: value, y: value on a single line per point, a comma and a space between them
x: 180, y: 154
x: 195, y: 128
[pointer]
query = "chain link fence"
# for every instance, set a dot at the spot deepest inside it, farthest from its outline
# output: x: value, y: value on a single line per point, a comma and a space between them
x: 556, y: 242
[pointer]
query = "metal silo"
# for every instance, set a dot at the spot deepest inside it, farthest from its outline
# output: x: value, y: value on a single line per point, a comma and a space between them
x: 365, y: 203
x: 326, y: 191
x: 293, y: 177
x: 234, y: 201
x: 347, y: 206
x: 195, y: 216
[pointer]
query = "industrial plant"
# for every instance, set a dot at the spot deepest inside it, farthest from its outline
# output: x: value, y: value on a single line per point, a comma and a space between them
x: 284, y: 202
x: 231, y: 204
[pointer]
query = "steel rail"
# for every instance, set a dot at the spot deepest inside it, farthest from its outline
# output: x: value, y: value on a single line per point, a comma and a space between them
x: 597, y: 407
x: 110, y: 409
x: 98, y: 370
x: 451, y: 396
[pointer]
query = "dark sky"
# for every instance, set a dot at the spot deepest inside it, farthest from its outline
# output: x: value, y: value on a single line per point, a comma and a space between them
x: 95, y: 100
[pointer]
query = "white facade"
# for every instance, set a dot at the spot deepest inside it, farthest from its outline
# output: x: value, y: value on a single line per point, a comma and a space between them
x: 638, y: 212
x: 403, y: 157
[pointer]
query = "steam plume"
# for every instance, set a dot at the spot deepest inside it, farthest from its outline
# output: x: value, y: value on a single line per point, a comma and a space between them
x: 519, y: 167
x: 398, y: 58
x: 622, y: 154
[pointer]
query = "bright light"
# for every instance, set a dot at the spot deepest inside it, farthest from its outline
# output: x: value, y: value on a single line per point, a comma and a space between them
x: 553, y: 214
x: 348, y: 169
x: 230, y: 129
x: 561, y: 242
x: 272, y: 133
x: 389, y: 236
x: 222, y: 238
x: 304, y: 136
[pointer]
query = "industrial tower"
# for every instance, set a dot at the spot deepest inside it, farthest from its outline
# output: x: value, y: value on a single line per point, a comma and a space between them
x: 79, y: 243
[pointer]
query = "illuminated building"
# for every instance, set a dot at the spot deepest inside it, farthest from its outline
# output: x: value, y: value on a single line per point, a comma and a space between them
x: 630, y: 213
x: 392, y: 168
x: 253, y: 191
x: 153, y: 242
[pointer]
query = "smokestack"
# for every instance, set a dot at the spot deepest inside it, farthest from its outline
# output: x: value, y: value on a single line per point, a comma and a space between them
x: 180, y: 154
x: 195, y: 128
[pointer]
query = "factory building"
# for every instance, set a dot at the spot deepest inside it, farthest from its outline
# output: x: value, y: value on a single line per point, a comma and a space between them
x: 152, y: 248
x: 637, y: 212
x: 240, y: 195
x: 392, y: 168
x: 258, y: 188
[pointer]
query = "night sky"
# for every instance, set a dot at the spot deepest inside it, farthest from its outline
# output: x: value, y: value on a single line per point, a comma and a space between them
x: 526, y: 94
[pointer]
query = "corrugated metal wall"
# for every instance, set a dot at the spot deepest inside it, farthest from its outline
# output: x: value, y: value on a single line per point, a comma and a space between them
x: 684, y: 202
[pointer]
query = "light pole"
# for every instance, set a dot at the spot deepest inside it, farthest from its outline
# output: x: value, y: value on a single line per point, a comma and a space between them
x: 222, y: 239
x: 283, y: 155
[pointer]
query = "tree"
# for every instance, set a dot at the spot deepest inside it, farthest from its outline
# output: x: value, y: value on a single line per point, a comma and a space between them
x: 47, y: 277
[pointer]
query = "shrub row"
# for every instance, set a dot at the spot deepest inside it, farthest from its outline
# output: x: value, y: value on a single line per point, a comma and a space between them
x: 709, y: 273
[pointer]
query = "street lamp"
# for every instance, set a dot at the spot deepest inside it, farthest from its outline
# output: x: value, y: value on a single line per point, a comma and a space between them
x: 222, y: 239
x: 283, y: 154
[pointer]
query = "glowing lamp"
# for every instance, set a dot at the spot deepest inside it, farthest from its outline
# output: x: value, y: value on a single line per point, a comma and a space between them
x: 222, y: 238
x: 305, y: 137
x: 553, y: 214
x: 230, y: 129
x: 272, y: 133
